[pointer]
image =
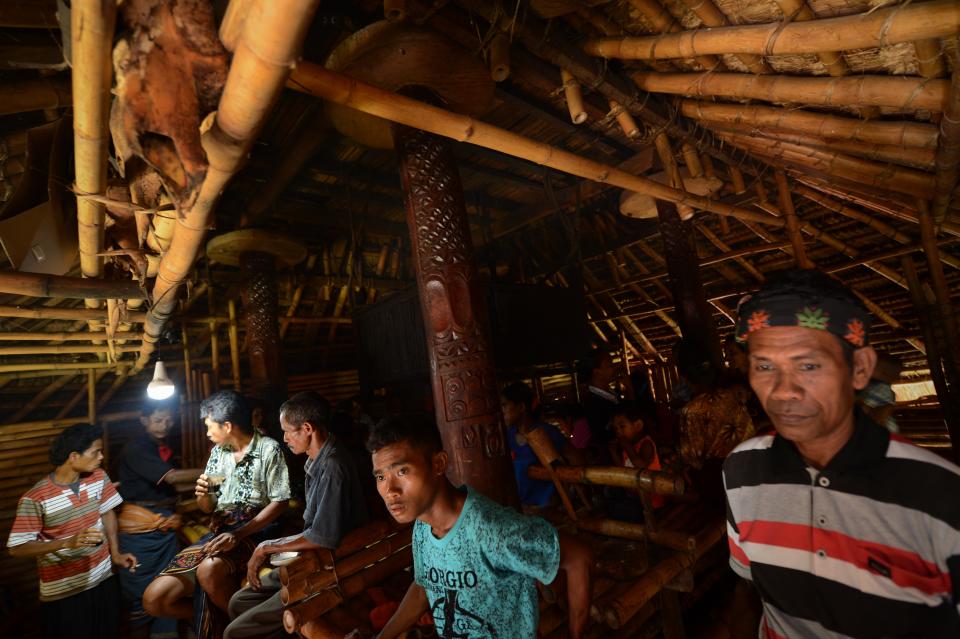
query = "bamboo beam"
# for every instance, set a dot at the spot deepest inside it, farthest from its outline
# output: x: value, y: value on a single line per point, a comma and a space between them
x: 315, y: 80
x: 62, y: 286
x: 873, y: 29
x: 91, y: 397
x: 650, y: 481
x: 663, y: 21
x: 92, y: 25
x: 62, y: 349
x: 914, y: 157
x: 41, y: 397
x: 233, y: 333
x: 800, y: 11
x: 267, y: 48
x: 941, y: 289
x: 900, y: 92
x: 888, y: 177
x: 903, y: 133
x: 948, y: 147
x: 928, y: 57
x: 45, y: 313
x: 55, y: 366
x: 711, y: 16
x: 34, y: 95
x: 793, y: 224
x: 15, y: 336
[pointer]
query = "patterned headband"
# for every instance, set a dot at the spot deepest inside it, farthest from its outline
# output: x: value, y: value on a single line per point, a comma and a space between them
x: 844, y: 318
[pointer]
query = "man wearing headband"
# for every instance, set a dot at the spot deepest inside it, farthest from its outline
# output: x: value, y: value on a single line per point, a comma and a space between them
x: 844, y: 529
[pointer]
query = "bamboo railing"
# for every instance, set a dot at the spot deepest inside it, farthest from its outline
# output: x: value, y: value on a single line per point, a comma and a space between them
x: 882, y: 27
x: 62, y: 286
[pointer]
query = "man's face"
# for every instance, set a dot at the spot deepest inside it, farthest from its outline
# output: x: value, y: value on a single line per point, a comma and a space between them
x: 158, y: 423
x: 296, y: 438
x: 803, y: 380
x: 407, y: 480
x: 90, y: 459
x: 512, y: 412
x: 216, y: 432
x: 604, y: 373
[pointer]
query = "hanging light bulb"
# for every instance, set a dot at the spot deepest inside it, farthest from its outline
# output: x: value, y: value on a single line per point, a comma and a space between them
x: 161, y: 387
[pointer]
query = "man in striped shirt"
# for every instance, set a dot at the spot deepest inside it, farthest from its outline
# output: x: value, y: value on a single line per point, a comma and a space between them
x: 67, y: 522
x: 844, y: 529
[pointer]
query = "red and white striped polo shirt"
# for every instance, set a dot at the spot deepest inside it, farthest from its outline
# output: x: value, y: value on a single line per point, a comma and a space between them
x: 867, y: 547
x: 51, y: 511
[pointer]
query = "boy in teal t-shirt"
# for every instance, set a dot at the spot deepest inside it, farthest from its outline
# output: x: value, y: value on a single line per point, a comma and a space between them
x: 475, y: 562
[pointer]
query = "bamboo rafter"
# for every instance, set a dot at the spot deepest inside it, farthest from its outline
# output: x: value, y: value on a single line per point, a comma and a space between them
x: 882, y: 27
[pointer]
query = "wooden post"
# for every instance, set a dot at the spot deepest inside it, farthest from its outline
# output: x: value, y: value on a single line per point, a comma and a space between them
x: 267, y: 373
x: 458, y: 343
x: 693, y: 314
x: 234, y: 345
x: 91, y: 397
x: 187, y: 369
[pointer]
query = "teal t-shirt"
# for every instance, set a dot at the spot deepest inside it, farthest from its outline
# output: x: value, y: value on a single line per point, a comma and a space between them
x: 479, y: 578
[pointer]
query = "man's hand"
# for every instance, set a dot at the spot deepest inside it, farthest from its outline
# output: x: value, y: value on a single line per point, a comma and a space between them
x: 224, y: 542
x: 126, y: 560
x: 86, y: 539
x: 202, y: 486
x: 257, y: 559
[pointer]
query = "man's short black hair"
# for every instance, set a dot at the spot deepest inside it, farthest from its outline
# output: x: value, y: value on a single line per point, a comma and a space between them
x: 227, y: 406
x: 420, y: 433
x: 151, y: 406
x: 519, y: 393
x: 634, y: 411
x: 74, y: 439
x: 307, y: 406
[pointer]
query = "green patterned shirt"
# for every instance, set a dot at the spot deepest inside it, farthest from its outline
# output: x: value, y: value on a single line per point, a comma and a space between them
x: 260, y: 477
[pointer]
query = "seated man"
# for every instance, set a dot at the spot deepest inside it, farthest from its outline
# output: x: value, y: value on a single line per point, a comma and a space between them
x: 516, y: 401
x: 63, y: 521
x: 335, y: 506
x: 246, y: 487
x: 475, y: 562
x: 844, y: 529
x: 148, y: 482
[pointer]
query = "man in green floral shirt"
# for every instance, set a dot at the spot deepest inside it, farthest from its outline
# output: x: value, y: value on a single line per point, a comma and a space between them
x: 245, y: 486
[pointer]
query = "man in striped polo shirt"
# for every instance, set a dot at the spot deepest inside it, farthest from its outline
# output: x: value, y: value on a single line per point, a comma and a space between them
x: 67, y: 522
x: 844, y: 529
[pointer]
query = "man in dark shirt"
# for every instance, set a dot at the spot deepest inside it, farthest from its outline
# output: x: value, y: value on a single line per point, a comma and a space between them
x: 147, y: 523
x: 335, y: 506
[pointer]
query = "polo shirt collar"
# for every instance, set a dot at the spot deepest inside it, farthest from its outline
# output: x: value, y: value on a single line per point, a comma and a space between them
x: 312, y: 466
x: 865, y: 448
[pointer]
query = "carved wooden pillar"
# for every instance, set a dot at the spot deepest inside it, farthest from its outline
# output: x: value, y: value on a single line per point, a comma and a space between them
x: 458, y: 342
x: 683, y: 265
x: 261, y: 316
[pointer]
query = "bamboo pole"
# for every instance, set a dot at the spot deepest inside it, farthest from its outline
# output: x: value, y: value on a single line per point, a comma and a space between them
x: 499, y: 57
x: 900, y: 92
x: 34, y: 95
x: 663, y: 21
x: 627, y: 124
x: 22, y: 336
x: 903, y: 133
x: 234, y: 346
x: 298, y: 293
x: 55, y: 366
x: 62, y: 314
x: 665, y: 153
x: 91, y: 397
x: 61, y: 286
x: 644, y: 480
x: 888, y: 177
x: 941, y: 289
x: 626, y: 530
x: 91, y: 30
x: 797, y: 11
x: 948, y: 147
x: 266, y: 50
x: 914, y: 157
x: 78, y: 396
x: 711, y: 16
x: 873, y: 29
x: 61, y: 349
x: 928, y: 57
x: 571, y: 89
x: 320, y: 82
x: 793, y: 224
